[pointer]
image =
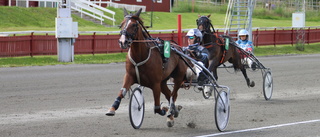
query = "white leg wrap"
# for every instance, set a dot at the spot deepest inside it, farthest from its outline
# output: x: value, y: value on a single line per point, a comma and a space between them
x: 249, y: 62
x: 124, y: 92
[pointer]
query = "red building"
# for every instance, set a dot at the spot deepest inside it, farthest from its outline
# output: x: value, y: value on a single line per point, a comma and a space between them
x: 151, y: 5
x: 13, y: 3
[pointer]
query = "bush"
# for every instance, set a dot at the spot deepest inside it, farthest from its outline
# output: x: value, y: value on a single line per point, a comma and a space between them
x: 200, y: 8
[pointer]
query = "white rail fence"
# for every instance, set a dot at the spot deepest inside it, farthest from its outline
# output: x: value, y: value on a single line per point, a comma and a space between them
x: 82, y: 6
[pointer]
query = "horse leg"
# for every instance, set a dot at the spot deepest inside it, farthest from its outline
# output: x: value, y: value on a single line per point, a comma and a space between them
x: 166, y: 91
x: 213, y: 68
x: 156, y: 96
x: 249, y: 83
x: 177, y: 84
x: 128, y: 81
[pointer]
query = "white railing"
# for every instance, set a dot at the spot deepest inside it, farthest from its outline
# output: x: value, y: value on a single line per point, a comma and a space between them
x: 129, y: 7
x: 97, y: 12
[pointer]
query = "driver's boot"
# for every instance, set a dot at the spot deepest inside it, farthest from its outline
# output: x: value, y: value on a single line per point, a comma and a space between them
x: 201, y: 80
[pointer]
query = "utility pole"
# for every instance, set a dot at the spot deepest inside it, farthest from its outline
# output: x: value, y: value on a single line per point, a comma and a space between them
x: 66, y: 31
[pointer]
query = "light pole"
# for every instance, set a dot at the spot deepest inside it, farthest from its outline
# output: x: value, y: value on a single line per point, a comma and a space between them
x: 153, y: 1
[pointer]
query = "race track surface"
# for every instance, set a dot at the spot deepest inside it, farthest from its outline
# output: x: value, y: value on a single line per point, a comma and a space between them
x: 71, y: 100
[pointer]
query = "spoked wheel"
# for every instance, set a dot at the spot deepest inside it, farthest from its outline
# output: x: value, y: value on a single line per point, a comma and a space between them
x: 222, y: 110
x: 136, y: 108
x: 267, y: 85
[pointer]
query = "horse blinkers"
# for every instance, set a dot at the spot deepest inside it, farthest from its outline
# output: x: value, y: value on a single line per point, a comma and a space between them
x: 126, y: 38
x: 202, y: 23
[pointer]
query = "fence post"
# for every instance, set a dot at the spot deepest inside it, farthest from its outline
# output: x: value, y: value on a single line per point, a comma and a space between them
x: 93, y: 42
x: 274, y: 37
x: 179, y: 30
x: 256, y: 38
x: 31, y: 44
x: 292, y: 37
x: 308, y: 35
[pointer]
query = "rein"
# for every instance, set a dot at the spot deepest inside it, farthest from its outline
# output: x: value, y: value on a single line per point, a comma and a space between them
x: 136, y: 65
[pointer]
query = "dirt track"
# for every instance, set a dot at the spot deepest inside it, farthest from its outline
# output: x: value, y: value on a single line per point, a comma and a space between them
x: 71, y: 100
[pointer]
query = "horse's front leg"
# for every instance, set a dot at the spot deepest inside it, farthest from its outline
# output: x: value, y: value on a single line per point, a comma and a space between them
x: 249, y: 83
x: 128, y: 81
x: 213, y: 68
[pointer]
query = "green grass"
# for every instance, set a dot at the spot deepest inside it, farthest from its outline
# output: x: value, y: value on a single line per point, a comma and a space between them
x: 53, y: 60
x: 43, y: 19
x: 313, y: 48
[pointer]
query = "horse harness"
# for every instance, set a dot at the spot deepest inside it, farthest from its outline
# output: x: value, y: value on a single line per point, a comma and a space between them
x: 158, y: 44
x: 220, y: 41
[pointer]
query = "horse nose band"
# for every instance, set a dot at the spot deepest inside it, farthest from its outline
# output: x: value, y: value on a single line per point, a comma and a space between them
x: 126, y: 38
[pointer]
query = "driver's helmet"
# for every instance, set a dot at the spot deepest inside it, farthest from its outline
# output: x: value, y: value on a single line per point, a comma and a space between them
x: 243, y: 32
x: 197, y: 33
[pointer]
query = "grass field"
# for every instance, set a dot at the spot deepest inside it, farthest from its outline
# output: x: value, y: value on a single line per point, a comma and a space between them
x: 43, y: 19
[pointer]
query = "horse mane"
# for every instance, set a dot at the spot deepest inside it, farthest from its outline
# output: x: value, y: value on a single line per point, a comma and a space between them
x: 138, y: 19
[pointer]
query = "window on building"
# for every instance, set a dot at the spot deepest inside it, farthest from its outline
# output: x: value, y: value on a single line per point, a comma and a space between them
x: 159, y: 1
x: 139, y: 0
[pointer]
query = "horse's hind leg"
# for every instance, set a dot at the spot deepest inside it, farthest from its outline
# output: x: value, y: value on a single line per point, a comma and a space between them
x: 156, y: 95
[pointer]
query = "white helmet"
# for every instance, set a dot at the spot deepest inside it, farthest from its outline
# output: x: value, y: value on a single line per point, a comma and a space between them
x: 243, y: 32
x: 195, y: 32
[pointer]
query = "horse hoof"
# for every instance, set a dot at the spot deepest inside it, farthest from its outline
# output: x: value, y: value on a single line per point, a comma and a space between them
x: 165, y: 109
x: 176, y: 114
x: 170, y: 123
x: 252, y: 84
x: 177, y: 111
x: 179, y: 107
x: 110, y: 113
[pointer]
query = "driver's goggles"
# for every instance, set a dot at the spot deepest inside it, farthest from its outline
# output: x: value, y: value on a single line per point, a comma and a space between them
x: 190, y: 37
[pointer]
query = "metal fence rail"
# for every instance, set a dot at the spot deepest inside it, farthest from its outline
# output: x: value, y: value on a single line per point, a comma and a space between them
x: 107, y: 42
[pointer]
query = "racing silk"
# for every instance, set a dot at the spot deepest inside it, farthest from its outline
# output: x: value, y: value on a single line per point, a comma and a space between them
x: 245, y: 45
x: 202, y: 54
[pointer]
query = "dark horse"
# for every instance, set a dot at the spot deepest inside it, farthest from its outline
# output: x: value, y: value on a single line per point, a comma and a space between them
x: 219, y: 52
x: 145, y: 65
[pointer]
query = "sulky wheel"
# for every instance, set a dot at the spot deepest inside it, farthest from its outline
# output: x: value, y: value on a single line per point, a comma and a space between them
x: 267, y: 85
x: 222, y: 110
x: 136, y: 108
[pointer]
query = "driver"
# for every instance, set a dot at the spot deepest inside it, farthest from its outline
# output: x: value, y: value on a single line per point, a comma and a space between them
x: 200, y: 53
x: 246, y: 45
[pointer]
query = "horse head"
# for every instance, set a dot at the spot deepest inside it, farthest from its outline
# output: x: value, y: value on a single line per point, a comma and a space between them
x: 129, y: 28
x: 204, y: 23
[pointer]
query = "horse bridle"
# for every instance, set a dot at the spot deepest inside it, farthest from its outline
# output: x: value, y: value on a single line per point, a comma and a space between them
x: 207, y: 24
x: 131, y: 36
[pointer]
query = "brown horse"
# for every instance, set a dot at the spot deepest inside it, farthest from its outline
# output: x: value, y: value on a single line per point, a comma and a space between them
x: 219, y: 52
x: 145, y: 65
